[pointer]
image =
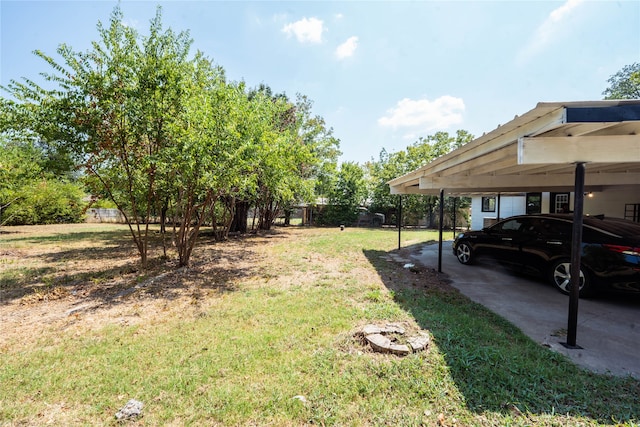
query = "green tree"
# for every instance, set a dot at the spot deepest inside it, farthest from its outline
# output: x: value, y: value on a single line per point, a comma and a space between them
x: 164, y: 135
x: 291, y: 150
x: 30, y: 191
x: 114, y: 107
x: 392, y: 165
x: 625, y: 84
x: 196, y: 168
x: 347, y: 196
x: 48, y: 201
x: 278, y: 156
x: 320, y: 171
x: 19, y: 167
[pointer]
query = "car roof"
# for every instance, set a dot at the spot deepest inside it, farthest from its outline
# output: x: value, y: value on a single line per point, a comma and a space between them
x: 618, y: 226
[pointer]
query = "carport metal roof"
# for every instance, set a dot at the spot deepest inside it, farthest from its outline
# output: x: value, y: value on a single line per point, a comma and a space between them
x: 537, y: 151
x: 548, y: 148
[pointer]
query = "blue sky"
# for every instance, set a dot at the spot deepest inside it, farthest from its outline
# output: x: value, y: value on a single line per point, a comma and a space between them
x: 381, y: 73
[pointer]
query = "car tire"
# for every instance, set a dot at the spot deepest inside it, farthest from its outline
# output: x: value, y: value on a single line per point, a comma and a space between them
x: 560, y: 275
x: 464, y: 253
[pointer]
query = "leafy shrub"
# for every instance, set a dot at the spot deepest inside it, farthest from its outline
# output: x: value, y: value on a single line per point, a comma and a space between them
x: 337, y: 215
x: 45, y: 202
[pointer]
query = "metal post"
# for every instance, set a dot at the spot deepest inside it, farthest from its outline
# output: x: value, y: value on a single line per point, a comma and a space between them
x: 498, y: 208
x: 440, y: 233
x: 455, y: 199
x: 399, y: 219
x: 576, y: 252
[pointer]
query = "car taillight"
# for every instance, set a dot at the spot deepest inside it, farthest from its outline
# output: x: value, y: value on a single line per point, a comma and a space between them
x: 627, y: 250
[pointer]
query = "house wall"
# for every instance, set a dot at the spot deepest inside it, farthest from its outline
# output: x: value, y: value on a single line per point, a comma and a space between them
x: 509, y: 206
x: 611, y: 203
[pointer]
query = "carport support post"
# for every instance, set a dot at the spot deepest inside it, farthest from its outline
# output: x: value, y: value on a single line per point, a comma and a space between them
x: 576, y: 251
x: 455, y: 199
x: 440, y: 231
x: 399, y: 219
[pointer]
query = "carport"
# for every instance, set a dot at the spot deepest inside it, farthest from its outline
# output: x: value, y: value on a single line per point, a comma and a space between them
x: 557, y: 146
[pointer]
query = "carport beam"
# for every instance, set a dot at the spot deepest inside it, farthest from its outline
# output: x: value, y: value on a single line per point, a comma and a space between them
x: 576, y: 252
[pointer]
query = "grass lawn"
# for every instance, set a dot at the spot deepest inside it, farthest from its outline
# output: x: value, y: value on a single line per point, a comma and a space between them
x: 262, y: 330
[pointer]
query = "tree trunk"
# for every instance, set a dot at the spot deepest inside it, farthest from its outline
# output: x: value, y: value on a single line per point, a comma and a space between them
x: 188, y: 232
x: 163, y: 218
x: 239, y: 222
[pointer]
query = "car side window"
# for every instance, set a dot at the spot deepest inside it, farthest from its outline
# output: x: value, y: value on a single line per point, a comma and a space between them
x: 556, y: 229
x: 511, y: 226
x: 531, y: 227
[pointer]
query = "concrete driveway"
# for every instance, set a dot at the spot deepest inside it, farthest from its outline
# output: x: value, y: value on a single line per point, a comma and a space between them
x: 608, y: 327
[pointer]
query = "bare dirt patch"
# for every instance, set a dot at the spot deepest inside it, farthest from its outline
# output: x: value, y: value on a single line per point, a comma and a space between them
x: 52, y: 279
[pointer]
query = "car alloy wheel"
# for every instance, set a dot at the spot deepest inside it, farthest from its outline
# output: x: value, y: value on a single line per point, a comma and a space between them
x: 561, y: 277
x: 464, y: 253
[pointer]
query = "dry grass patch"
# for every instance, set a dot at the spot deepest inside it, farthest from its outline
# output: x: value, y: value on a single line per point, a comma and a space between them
x: 85, y: 277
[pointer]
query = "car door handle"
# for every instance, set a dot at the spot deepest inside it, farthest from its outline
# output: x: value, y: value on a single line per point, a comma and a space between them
x: 553, y: 242
x: 507, y: 238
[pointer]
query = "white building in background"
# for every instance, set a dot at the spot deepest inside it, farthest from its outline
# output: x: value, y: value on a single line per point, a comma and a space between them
x: 618, y: 202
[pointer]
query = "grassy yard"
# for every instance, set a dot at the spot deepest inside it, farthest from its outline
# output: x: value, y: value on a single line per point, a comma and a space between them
x: 262, y: 330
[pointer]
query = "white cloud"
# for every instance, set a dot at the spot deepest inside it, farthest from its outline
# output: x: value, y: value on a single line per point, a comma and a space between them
x: 548, y: 30
x: 348, y: 48
x: 131, y: 23
x: 422, y: 115
x: 306, y: 30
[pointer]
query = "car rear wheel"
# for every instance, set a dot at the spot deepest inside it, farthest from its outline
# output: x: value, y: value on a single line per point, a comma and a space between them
x: 561, y: 278
x: 464, y: 253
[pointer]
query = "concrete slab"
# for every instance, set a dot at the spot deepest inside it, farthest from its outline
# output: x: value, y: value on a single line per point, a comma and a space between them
x: 608, y: 326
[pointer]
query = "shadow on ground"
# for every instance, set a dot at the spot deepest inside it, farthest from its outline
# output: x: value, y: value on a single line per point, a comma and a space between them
x: 494, y: 365
x: 107, y: 267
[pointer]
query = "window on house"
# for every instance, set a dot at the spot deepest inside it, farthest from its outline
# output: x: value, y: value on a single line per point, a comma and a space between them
x: 632, y: 211
x: 560, y: 203
x: 534, y: 203
x: 488, y: 204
